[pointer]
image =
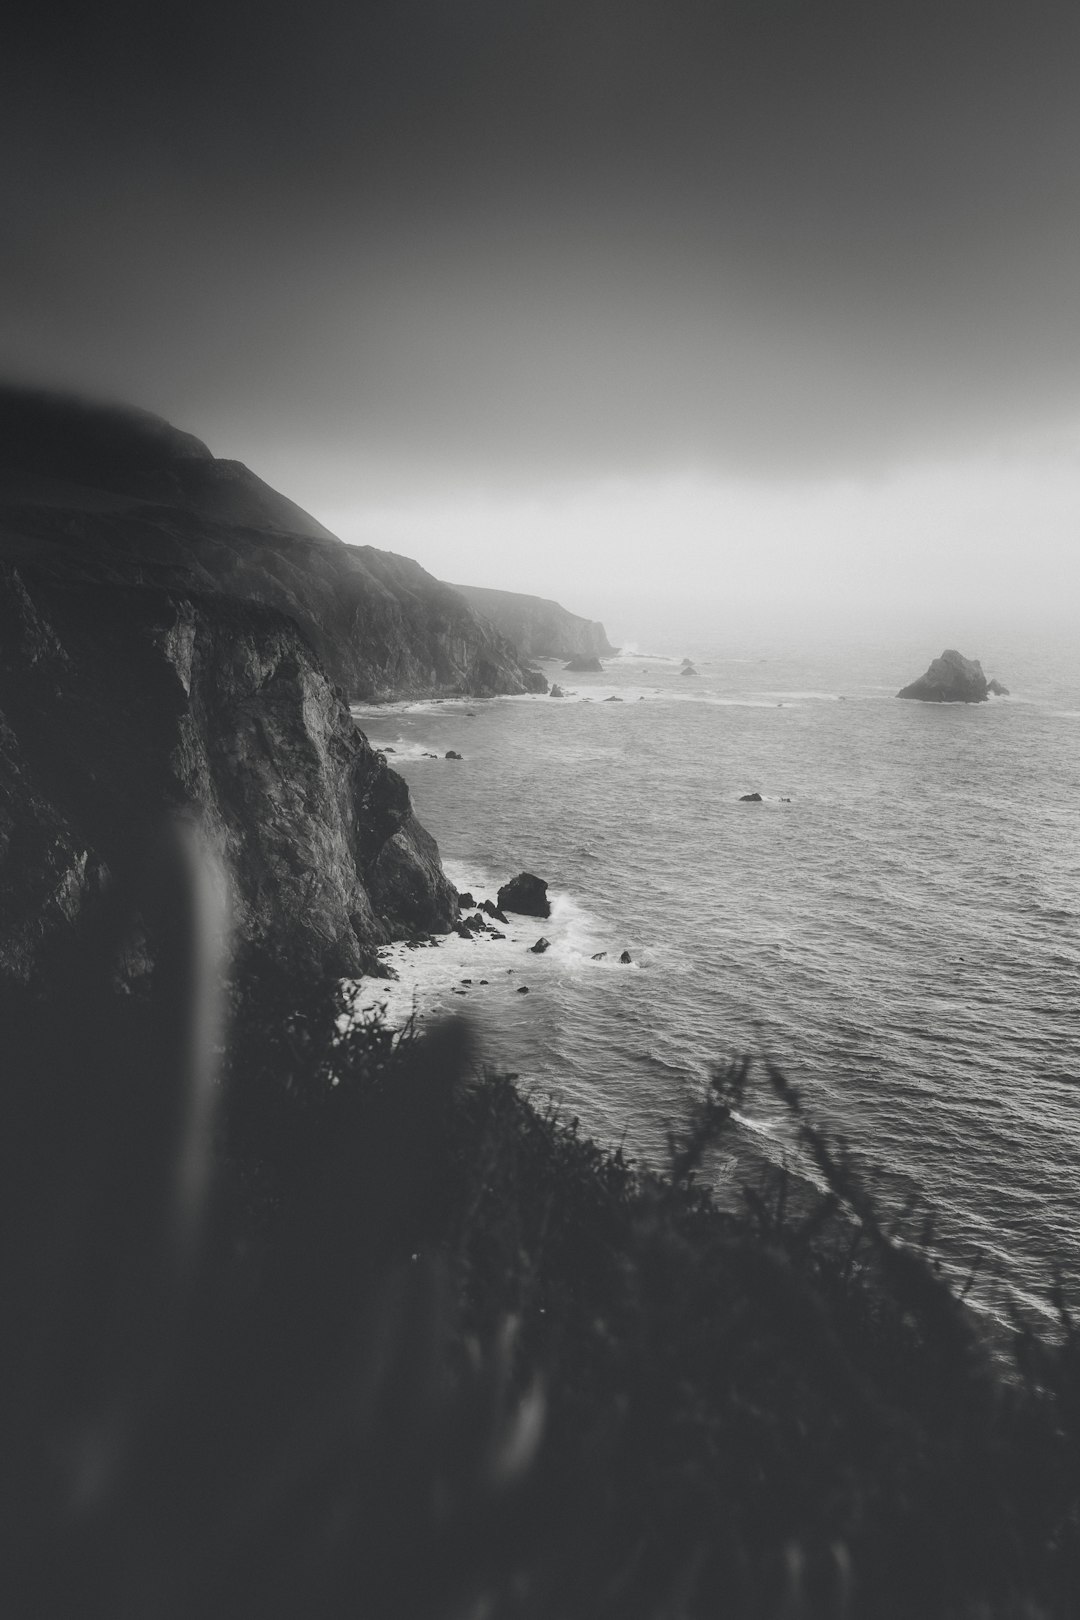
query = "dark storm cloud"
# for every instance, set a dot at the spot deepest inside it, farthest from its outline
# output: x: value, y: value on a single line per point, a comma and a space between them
x: 554, y: 236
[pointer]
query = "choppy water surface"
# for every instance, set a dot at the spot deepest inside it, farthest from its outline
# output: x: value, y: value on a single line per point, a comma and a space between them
x: 898, y: 923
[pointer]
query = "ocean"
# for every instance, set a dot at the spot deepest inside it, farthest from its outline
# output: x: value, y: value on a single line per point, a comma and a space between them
x: 896, y: 924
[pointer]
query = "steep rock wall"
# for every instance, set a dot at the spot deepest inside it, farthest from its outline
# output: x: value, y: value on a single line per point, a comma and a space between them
x: 118, y: 704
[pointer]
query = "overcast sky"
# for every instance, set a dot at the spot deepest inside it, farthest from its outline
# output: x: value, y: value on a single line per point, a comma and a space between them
x: 770, y: 303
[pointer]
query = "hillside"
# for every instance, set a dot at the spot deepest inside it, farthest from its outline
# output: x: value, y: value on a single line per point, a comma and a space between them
x: 111, y: 494
x: 538, y: 628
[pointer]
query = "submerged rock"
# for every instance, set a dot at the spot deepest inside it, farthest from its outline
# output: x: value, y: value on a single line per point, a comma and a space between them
x: 599, y: 956
x: 526, y: 894
x: 688, y: 669
x: 522, y: 989
x: 750, y: 798
x: 952, y: 678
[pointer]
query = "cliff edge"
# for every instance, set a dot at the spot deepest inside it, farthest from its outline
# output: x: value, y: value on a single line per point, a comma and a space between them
x: 539, y: 628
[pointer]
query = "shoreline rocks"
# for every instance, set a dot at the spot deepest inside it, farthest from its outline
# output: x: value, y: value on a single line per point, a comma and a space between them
x: 525, y: 894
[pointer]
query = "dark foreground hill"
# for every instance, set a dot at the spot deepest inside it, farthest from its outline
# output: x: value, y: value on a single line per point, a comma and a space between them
x: 106, y: 493
x: 537, y: 627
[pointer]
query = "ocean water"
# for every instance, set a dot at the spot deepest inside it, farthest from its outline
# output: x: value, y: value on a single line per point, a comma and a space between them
x: 897, y: 923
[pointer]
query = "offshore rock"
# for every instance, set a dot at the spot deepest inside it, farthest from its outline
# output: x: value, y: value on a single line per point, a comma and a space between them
x: 556, y: 690
x: 586, y: 666
x: 750, y: 798
x: 952, y: 678
x: 996, y: 689
x: 688, y: 669
x: 526, y: 894
x: 541, y: 946
x: 120, y: 705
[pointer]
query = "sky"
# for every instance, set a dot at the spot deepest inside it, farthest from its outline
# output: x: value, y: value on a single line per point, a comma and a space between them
x: 766, y: 307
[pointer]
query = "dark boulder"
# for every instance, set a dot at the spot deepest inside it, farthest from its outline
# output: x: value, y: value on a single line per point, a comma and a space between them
x: 626, y: 957
x: 750, y: 798
x: 493, y: 911
x: 556, y: 690
x: 475, y: 923
x: 451, y: 753
x: 952, y: 678
x: 996, y: 689
x: 522, y: 989
x: 599, y: 956
x: 525, y: 894
x: 465, y: 901
x: 541, y: 946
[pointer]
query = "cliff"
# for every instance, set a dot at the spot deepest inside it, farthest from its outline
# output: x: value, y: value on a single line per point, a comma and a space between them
x: 538, y: 628
x: 119, y: 704
x: 109, y: 494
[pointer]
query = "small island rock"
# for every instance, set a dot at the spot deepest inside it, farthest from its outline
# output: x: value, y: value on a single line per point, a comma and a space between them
x: 451, y: 753
x: 526, y: 894
x: 995, y: 687
x: 626, y: 957
x: 541, y: 946
x: 585, y: 666
x: 952, y: 678
x: 688, y: 669
x: 556, y: 690
x: 750, y: 798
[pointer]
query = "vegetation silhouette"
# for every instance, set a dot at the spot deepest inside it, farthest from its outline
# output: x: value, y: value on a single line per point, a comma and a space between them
x: 307, y: 1317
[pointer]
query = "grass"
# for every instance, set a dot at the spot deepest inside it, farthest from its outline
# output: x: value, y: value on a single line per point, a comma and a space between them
x: 435, y: 1354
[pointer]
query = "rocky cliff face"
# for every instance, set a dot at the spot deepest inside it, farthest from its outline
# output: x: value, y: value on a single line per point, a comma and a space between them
x: 115, y: 495
x: 536, y: 627
x: 120, y: 703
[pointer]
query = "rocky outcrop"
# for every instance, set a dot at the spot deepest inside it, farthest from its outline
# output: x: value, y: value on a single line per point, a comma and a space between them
x: 120, y: 704
x: 538, y: 628
x: 586, y: 666
x: 995, y: 689
x: 114, y: 495
x: 525, y: 894
x: 952, y: 678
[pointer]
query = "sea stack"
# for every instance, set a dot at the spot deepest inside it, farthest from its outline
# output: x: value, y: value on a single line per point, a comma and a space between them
x: 952, y: 678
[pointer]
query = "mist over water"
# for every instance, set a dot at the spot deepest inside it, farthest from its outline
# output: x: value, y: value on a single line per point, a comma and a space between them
x: 897, y: 923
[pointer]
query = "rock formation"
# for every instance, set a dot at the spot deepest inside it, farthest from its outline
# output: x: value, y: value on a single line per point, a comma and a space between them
x: 996, y: 689
x: 586, y: 666
x: 113, y: 494
x: 952, y: 678
x: 121, y: 703
x: 538, y: 628
x: 525, y: 894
